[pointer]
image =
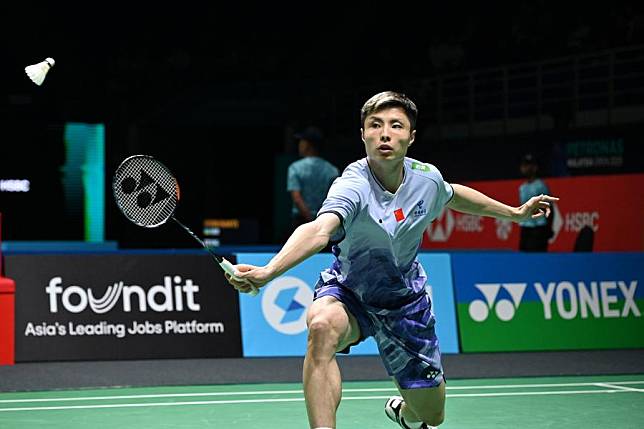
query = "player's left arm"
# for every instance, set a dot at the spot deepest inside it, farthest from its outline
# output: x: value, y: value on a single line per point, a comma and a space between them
x: 471, y: 201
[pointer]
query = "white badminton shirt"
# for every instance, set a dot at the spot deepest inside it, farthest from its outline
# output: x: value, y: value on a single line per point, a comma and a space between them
x: 382, y: 231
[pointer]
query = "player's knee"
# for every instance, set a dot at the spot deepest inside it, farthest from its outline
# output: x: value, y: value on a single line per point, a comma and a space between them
x: 321, y: 328
x: 324, y: 335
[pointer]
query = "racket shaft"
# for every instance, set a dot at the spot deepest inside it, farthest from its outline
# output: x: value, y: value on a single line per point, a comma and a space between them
x: 223, y: 263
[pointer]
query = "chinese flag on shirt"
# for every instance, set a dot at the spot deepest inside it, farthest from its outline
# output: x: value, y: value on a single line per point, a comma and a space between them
x: 400, y: 216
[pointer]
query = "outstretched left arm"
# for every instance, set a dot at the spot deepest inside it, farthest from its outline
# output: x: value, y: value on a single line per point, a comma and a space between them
x: 468, y: 200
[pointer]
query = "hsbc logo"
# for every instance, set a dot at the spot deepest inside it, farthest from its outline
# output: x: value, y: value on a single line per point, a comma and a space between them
x: 14, y: 185
x: 572, y: 222
x: 557, y: 223
x: 505, y: 309
x: 575, y: 221
x: 503, y: 229
x: 441, y: 228
x: 447, y: 222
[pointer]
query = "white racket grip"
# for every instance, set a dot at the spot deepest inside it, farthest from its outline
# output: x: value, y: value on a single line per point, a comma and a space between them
x: 228, y: 268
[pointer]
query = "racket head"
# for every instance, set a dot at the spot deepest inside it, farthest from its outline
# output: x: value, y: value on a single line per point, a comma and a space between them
x: 145, y: 190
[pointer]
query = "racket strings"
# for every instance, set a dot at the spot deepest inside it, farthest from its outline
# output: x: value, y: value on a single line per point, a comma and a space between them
x: 145, y: 191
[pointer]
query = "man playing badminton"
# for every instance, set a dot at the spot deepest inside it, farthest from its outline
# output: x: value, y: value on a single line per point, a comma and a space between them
x: 376, y: 213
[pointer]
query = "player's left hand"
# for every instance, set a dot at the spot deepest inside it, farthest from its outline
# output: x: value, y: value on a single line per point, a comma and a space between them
x: 535, y: 207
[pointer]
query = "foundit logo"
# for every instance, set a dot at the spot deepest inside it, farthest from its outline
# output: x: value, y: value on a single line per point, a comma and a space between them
x: 505, y: 309
x: 175, y: 294
x: 284, y: 304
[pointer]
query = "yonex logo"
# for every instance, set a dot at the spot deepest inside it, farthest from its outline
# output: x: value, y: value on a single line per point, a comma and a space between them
x: 431, y: 373
x: 505, y: 309
x: 147, y: 196
x: 588, y: 299
x: 284, y: 304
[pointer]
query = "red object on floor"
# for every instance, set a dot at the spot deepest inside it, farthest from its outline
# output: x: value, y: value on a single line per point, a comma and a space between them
x: 7, y: 314
x: 7, y: 318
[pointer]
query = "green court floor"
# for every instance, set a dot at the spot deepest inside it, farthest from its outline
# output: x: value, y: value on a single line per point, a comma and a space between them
x: 525, y: 403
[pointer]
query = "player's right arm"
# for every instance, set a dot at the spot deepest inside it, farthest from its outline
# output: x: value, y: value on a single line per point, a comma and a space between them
x: 307, y: 240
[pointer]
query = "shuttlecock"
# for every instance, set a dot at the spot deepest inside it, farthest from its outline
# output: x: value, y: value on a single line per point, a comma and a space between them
x: 37, y: 72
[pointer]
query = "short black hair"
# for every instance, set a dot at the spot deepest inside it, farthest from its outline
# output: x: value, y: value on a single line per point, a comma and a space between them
x: 389, y: 99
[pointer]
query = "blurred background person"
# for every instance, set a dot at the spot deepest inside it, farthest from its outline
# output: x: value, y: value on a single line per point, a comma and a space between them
x: 309, y: 178
x: 535, y: 233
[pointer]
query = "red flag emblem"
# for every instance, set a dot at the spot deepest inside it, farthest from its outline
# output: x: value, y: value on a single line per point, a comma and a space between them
x: 400, y: 216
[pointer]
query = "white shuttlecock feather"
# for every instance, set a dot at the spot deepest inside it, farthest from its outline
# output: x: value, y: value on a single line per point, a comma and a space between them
x: 37, y: 72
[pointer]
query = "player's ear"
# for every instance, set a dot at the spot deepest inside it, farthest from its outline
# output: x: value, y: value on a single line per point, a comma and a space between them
x: 412, y: 137
x: 362, y: 135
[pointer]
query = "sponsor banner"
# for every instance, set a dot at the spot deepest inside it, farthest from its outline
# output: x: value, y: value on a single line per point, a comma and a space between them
x: 123, y: 306
x: 441, y: 289
x: 526, y: 302
x: 274, y: 322
x: 594, y: 154
x: 609, y: 206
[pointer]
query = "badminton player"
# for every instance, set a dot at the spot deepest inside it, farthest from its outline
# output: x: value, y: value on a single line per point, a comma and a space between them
x: 376, y: 213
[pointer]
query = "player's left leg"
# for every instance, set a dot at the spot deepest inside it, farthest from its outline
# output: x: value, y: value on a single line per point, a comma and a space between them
x: 410, y: 352
x: 426, y: 405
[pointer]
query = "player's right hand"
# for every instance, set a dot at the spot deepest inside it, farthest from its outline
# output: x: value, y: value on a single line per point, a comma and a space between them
x: 247, y: 275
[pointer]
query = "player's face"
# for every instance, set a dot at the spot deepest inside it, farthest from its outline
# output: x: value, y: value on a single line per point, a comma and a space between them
x: 387, y: 134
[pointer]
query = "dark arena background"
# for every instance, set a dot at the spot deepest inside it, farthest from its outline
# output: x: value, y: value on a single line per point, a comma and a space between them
x: 107, y: 324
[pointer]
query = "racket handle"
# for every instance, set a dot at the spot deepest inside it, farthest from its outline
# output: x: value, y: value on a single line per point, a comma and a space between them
x: 228, y: 268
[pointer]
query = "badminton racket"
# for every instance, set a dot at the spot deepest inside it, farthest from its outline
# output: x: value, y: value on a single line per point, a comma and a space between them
x: 147, y: 194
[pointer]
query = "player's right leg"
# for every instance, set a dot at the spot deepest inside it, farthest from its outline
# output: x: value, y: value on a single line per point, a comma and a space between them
x: 331, y: 328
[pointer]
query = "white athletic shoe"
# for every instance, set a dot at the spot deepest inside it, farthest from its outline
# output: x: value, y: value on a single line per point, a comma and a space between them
x: 392, y: 410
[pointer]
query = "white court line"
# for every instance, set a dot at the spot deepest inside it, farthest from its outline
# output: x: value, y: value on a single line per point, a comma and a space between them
x: 553, y: 392
x: 164, y: 395
x: 287, y: 392
x: 247, y: 401
x: 613, y: 386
